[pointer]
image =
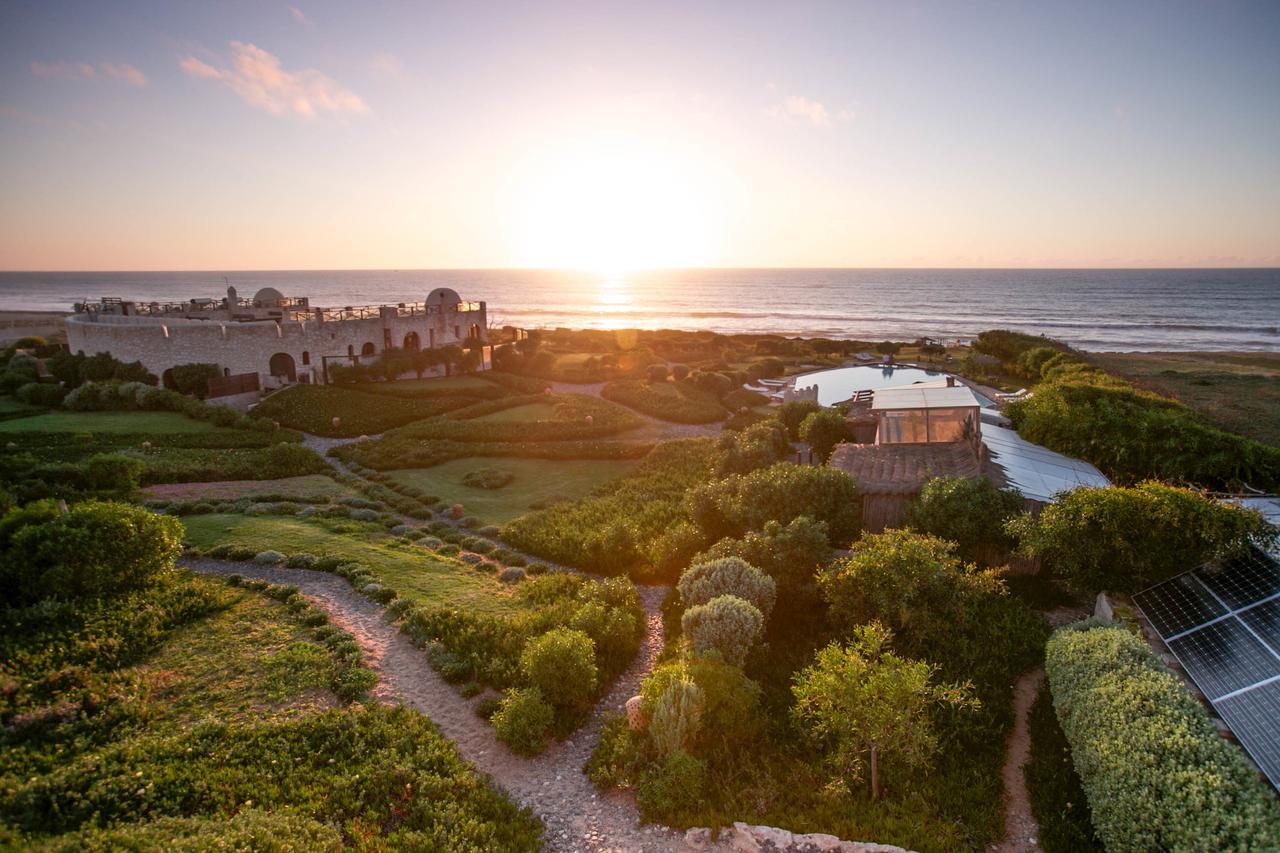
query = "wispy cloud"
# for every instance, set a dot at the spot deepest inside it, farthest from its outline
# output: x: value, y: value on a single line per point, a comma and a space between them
x: 83, y: 70
x: 807, y: 110
x: 258, y: 77
x: 388, y: 64
x: 301, y: 17
x: 64, y: 70
x: 124, y: 72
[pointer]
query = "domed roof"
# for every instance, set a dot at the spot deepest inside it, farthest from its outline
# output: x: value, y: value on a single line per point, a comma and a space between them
x: 268, y: 296
x: 443, y: 296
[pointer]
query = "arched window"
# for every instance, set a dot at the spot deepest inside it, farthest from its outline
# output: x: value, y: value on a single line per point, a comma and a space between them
x: 368, y: 349
x: 306, y: 357
x: 226, y: 371
x: 281, y: 365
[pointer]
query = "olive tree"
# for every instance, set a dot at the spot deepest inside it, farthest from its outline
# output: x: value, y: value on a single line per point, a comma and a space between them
x: 823, y: 430
x: 861, y: 701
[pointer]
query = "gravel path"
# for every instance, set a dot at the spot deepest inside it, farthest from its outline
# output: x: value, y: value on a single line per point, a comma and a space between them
x: 577, y: 817
x: 1020, y: 827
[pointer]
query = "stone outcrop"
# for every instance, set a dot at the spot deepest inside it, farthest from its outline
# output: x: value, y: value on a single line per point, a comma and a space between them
x: 746, y: 838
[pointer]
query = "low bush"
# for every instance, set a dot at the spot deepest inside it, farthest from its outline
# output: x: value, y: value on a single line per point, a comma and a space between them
x: 673, y: 788
x: 1126, y: 539
x: 727, y: 576
x: 561, y: 664
x: 782, y: 492
x: 726, y: 624
x: 487, y: 478
x: 1156, y: 772
x: 42, y: 394
x: 269, y: 558
x: 523, y: 721
x: 971, y: 513
x: 96, y: 550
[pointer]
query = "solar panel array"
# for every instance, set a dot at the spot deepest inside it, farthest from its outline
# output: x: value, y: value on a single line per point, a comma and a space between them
x: 1222, y: 622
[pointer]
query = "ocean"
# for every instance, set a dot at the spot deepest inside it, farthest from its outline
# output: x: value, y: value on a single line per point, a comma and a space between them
x: 1119, y: 310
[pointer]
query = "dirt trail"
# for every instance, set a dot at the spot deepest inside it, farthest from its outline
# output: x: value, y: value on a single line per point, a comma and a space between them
x: 577, y: 817
x: 1020, y: 828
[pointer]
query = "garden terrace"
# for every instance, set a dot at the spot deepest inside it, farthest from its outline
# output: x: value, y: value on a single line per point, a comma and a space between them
x: 314, y: 408
x: 679, y: 402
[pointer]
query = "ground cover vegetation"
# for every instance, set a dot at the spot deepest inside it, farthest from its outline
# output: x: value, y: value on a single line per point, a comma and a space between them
x: 1131, y: 434
x: 1057, y: 798
x: 1238, y: 392
x: 142, y: 705
x: 1145, y: 749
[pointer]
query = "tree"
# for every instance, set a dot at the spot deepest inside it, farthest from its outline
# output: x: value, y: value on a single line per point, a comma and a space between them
x: 758, y: 446
x: 727, y: 576
x: 423, y: 360
x: 793, y: 413
x: 194, y: 378
x: 450, y: 355
x: 725, y: 624
x: 862, y: 701
x: 392, y: 363
x: 971, y: 513
x: 657, y: 373
x: 562, y: 665
x: 823, y: 430
x: 888, y: 348
x: 1126, y: 539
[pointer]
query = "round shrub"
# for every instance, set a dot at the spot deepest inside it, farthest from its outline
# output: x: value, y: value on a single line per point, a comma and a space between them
x: 269, y: 557
x: 511, y: 574
x: 301, y: 561
x: 470, y: 522
x: 471, y: 559
x: 726, y: 624
x: 487, y: 707
x: 483, y: 546
x: 221, y: 552
x: 523, y: 720
x: 536, y: 569
x: 41, y: 394
x: 562, y: 664
x: 487, y: 478
x: 432, y: 542
x: 489, y: 530
x: 449, y: 550
x: 727, y: 576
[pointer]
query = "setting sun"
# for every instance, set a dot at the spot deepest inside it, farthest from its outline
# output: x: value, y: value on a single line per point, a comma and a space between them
x: 613, y: 204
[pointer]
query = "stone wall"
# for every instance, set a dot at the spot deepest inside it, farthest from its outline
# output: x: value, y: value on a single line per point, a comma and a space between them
x: 249, y: 347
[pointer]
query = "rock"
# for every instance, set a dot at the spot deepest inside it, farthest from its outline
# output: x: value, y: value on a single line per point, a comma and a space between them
x: 637, y: 720
x: 771, y: 837
x: 820, y: 841
x: 698, y: 838
x: 741, y: 838
x: 1102, y: 609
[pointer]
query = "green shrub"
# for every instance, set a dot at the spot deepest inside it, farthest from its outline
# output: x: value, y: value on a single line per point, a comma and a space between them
x: 677, y: 716
x: 1126, y: 539
x: 1157, y: 773
x: 675, y: 787
x: 96, y: 550
x: 971, y: 513
x: 822, y: 431
x: 113, y: 472
x: 561, y: 664
x: 726, y: 624
x: 487, y: 478
x: 247, y: 829
x: 756, y: 446
x: 677, y: 402
x: 1134, y: 435
x: 42, y: 394
x: 782, y: 492
x: 727, y: 576
x: 523, y: 721
x: 269, y: 558
x: 792, y: 414
x: 791, y: 554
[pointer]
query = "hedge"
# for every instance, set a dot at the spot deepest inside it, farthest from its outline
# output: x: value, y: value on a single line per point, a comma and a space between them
x: 680, y: 402
x: 1157, y: 774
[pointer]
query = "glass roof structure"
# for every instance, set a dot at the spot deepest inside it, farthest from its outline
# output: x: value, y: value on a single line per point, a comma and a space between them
x: 1038, y: 472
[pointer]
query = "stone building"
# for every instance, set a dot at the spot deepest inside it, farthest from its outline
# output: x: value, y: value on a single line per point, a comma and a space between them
x: 270, y: 340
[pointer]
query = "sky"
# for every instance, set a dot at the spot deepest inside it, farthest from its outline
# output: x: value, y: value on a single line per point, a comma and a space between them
x: 312, y: 135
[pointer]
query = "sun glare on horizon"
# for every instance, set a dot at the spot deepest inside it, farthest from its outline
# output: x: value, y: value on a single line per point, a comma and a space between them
x: 616, y: 204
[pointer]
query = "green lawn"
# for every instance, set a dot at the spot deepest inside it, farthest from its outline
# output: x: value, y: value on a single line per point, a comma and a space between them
x: 521, y: 414
x: 464, y: 386
x: 12, y: 406
x: 535, y: 480
x: 112, y: 423
x: 410, y: 570
x: 309, y: 486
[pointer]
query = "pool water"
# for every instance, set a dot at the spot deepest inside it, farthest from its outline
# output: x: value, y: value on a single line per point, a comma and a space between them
x: 839, y: 384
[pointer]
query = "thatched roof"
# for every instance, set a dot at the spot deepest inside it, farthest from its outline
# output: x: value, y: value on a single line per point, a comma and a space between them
x: 903, y: 469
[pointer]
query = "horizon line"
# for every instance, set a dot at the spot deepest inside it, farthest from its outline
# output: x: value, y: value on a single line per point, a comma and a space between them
x: 642, y: 269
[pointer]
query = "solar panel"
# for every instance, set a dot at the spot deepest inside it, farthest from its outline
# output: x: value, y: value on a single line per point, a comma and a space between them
x: 1222, y: 622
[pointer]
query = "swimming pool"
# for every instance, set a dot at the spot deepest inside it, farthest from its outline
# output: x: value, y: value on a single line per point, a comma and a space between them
x: 840, y: 383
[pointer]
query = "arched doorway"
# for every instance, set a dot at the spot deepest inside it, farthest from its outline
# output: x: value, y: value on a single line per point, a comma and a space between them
x: 282, y: 365
x: 412, y: 343
x: 368, y: 349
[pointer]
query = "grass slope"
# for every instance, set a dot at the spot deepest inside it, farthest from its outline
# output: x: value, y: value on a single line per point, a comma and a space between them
x: 311, y: 486
x: 535, y: 481
x: 410, y: 570
x: 1236, y: 391
x: 112, y: 423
